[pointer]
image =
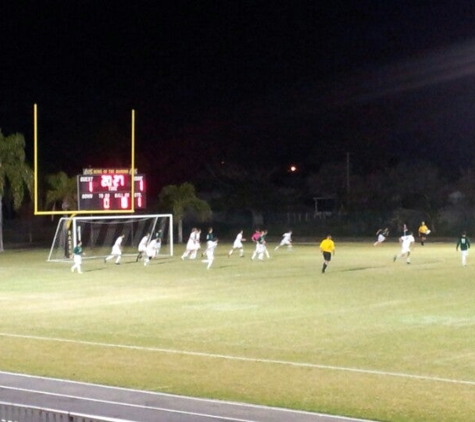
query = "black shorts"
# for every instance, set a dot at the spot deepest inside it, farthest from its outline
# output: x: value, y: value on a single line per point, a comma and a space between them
x: 327, y: 256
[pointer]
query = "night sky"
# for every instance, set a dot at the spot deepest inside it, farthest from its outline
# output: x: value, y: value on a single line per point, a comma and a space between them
x: 265, y: 83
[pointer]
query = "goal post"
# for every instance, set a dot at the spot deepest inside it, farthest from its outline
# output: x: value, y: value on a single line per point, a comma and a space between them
x: 99, y: 232
x: 131, y: 209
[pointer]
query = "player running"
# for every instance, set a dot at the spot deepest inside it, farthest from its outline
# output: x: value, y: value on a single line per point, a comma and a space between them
x: 142, y: 246
x: 286, y: 241
x: 192, y: 245
x: 116, y: 250
x: 382, y: 235
x: 238, y: 244
x: 261, y: 248
x: 406, y: 243
x: 209, y: 252
x: 151, y: 250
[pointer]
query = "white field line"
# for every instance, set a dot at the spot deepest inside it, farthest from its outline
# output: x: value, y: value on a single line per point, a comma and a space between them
x: 188, y: 398
x: 137, y: 406
x: 245, y: 359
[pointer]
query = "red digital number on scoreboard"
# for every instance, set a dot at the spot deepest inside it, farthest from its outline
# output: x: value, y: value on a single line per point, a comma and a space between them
x: 113, y: 181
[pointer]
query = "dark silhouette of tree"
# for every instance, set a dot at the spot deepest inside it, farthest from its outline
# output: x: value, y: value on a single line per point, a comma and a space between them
x: 15, y: 174
x: 180, y: 199
x: 63, y: 190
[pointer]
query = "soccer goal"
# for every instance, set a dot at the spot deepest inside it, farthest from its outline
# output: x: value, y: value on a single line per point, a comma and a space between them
x: 98, y: 234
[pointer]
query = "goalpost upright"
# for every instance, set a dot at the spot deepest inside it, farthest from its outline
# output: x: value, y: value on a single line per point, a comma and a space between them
x: 131, y: 210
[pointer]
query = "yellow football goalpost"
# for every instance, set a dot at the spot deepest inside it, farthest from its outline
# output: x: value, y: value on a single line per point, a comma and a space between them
x: 76, y: 212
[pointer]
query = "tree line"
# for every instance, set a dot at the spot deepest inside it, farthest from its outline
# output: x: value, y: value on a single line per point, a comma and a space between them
x: 411, y: 189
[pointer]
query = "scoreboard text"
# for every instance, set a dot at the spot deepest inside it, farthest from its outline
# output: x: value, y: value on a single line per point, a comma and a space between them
x: 111, y: 190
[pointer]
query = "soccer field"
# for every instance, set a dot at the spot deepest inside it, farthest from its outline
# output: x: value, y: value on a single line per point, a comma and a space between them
x: 370, y: 338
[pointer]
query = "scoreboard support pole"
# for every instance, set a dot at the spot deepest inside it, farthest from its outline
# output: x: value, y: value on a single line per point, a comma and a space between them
x: 91, y: 212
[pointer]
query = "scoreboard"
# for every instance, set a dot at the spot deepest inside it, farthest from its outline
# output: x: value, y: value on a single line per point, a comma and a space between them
x: 110, y: 190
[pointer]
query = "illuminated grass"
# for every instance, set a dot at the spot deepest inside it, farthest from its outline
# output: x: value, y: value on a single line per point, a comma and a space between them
x: 370, y: 338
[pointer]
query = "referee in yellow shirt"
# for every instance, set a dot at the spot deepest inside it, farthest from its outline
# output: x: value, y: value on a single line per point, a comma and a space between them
x: 423, y: 233
x: 327, y: 246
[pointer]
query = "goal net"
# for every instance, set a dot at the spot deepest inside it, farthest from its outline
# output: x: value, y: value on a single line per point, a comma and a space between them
x: 98, y: 234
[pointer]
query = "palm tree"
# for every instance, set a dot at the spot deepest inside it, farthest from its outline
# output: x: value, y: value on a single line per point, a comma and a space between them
x: 63, y: 190
x: 180, y: 199
x: 15, y: 174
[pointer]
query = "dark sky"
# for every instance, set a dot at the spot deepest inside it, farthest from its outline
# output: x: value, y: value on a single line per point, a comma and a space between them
x: 268, y: 82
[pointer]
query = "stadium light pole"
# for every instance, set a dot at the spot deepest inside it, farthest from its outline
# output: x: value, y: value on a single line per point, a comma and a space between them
x: 132, y: 170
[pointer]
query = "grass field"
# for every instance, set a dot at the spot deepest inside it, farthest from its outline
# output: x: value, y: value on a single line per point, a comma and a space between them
x: 370, y: 338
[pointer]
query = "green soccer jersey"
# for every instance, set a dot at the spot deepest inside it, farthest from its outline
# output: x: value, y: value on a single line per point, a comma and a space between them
x: 463, y: 243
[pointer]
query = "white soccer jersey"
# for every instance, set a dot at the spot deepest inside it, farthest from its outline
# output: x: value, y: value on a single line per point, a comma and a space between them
x: 286, y: 239
x: 196, y: 240
x: 151, y: 248
x: 238, y: 241
x: 212, y: 244
x: 190, y: 245
x: 143, y: 244
x: 406, y: 242
x: 116, y: 249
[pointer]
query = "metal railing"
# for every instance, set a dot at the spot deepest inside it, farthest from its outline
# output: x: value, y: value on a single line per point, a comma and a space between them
x: 10, y: 412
